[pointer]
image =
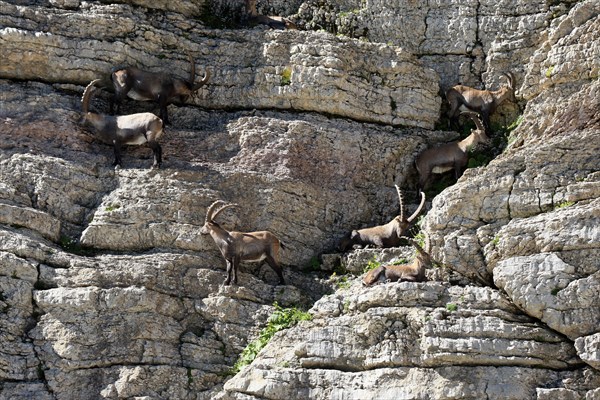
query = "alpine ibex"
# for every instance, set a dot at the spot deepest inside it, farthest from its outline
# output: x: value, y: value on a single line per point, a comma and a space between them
x: 134, y: 129
x: 273, y: 22
x: 449, y: 156
x: 242, y: 246
x: 413, y: 272
x: 149, y: 86
x: 484, y: 102
x: 387, y: 235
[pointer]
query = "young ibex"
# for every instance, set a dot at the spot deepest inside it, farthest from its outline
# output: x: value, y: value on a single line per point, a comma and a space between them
x: 413, y: 272
x: 484, y: 102
x: 387, y: 235
x: 149, y: 86
x: 454, y: 155
x: 273, y: 22
x: 242, y: 246
x: 134, y: 129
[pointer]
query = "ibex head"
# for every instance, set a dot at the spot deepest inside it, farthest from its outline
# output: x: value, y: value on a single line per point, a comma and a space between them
x: 422, y: 254
x: 509, y: 88
x: 211, y: 214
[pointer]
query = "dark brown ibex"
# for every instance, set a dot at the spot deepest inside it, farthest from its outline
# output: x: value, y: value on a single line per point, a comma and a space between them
x: 273, y: 22
x: 387, y: 235
x: 134, y: 129
x: 150, y: 86
x: 242, y: 246
x: 412, y: 272
x: 484, y: 102
x: 449, y: 156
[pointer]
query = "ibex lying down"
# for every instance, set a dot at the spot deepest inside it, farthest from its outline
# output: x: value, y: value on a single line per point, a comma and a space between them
x: 484, y: 102
x: 387, y: 235
x: 273, y: 22
x: 134, y: 129
x: 413, y: 272
x: 242, y: 246
x: 449, y: 156
x: 149, y: 86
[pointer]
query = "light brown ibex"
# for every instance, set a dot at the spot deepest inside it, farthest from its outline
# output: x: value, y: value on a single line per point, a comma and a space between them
x: 387, y: 235
x: 449, y: 156
x: 134, y: 129
x: 484, y: 102
x: 412, y: 272
x: 242, y: 246
x: 273, y: 22
x: 150, y: 86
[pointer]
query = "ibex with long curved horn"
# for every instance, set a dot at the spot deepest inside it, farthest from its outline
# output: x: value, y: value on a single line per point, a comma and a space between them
x: 242, y: 246
x: 134, y: 129
x: 150, y: 86
x: 449, y: 156
x: 484, y: 102
x: 412, y: 272
x: 387, y: 235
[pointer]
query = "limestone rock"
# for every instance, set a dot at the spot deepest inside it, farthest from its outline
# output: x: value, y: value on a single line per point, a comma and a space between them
x: 588, y: 348
x: 385, y: 339
x: 309, y: 71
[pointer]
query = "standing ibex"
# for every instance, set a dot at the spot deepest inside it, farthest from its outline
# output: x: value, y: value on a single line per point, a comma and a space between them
x: 132, y: 129
x: 484, y: 102
x: 387, y: 235
x: 242, y: 246
x: 413, y: 272
x: 149, y: 86
x: 454, y: 155
x: 273, y: 22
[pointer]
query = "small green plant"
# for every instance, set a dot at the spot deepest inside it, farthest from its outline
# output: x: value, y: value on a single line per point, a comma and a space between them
x: 564, y: 204
x: 549, y: 71
x: 346, y: 306
x: 282, y: 318
x: 495, y: 240
x: 286, y: 77
x: 342, y: 282
x: 372, y: 264
x: 314, y: 264
x: 190, y: 377
x: 452, y: 307
x: 515, y: 124
x: 112, y: 207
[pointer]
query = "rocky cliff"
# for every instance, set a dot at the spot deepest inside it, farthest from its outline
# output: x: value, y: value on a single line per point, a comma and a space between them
x: 108, y: 290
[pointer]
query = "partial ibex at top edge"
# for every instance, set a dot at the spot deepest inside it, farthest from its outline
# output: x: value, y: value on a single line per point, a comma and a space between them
x: 484, y: 102
x: 150, y: 86
x: 274, y: 22
x: 387, y: 235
